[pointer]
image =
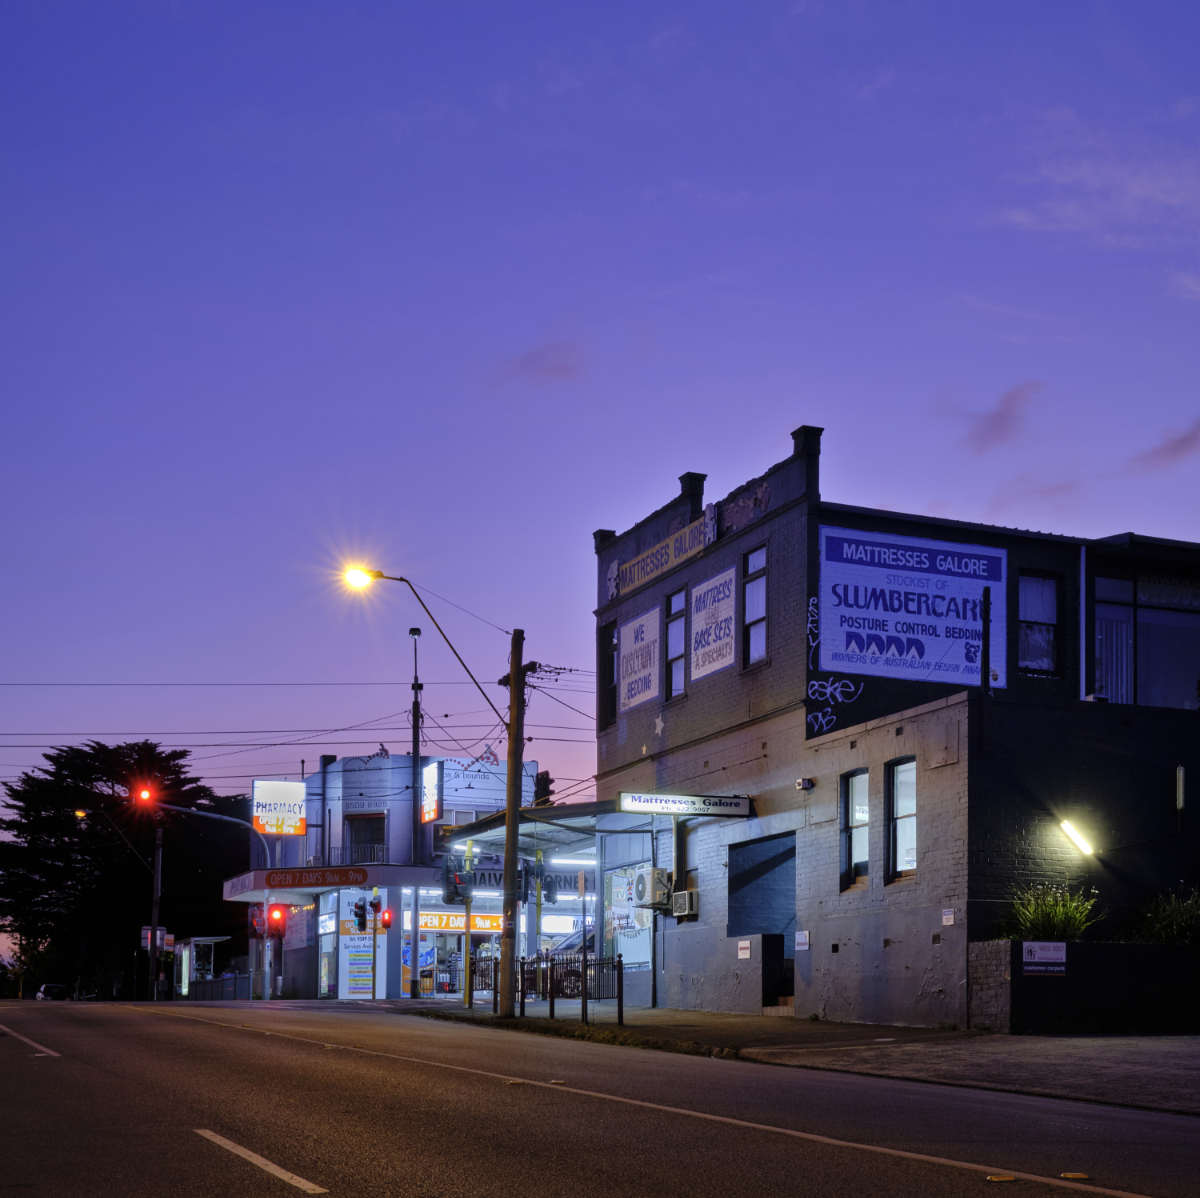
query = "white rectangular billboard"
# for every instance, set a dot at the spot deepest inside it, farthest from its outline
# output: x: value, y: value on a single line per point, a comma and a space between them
x: 279, y: 808
x: 906, y: 607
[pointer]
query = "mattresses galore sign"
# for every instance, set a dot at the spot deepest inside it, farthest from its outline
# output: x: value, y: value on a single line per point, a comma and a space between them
x: 904, y: 607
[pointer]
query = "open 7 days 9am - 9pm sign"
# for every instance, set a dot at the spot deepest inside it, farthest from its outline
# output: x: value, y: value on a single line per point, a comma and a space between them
x: 279, y: 808
x: 905, y: 607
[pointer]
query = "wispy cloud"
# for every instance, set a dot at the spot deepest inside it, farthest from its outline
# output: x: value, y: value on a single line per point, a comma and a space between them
x: 1108, y: 182
x: 1187, y: 285
x: 1027, y: 488
x: 1002, y: 423
x: 544, y: 365
x: 881, y: 82
x: 1172, y: 450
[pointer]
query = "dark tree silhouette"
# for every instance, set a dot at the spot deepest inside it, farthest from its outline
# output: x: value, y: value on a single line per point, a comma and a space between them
x: 75, y: 880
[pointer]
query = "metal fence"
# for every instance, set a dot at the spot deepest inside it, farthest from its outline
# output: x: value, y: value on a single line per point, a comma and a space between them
x: 235, y: 988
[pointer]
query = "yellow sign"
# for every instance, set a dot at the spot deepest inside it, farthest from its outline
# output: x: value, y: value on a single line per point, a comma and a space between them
x: 448, y: 921
x: 646, y: 567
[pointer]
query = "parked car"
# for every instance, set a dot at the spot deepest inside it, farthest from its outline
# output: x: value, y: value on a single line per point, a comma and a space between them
x: 51, y: 992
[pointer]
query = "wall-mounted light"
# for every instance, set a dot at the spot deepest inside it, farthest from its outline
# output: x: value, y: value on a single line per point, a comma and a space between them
x: 1081, y: 844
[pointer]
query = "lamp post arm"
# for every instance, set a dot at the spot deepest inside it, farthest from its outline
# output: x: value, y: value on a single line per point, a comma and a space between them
x: 394, y: 578
x: 229, y: 819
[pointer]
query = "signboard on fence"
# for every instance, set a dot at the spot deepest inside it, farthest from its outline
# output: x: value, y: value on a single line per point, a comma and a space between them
x: 1046, y: 958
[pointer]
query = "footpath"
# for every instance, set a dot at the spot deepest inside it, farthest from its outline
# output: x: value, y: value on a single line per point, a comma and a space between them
x: 1152, y: 1072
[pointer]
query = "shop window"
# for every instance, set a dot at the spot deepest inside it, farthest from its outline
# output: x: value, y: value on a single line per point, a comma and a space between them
x: 1037, y: 637
x: 754, y: 606
x: 606, y: 654
x: 676, y: 642
x: 1148, y: 641
x: 902, y: 818
x: 855, y: 820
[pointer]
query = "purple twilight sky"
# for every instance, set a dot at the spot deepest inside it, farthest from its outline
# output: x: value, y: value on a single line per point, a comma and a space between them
x: 445, y: 287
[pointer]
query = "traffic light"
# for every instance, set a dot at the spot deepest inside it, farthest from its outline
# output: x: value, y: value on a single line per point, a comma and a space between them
x: 276, y: 920
x: 550, y: 889
x: 524, y: 881
x: 143, y: 794
x: 360, y: 915
x: 541, y: 788
x: 385, y: 920
x: 457, y: 884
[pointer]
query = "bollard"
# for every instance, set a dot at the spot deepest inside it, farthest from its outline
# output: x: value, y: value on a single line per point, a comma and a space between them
x: 551, y: 976
x: 495, y: 987
x: 620, y: 991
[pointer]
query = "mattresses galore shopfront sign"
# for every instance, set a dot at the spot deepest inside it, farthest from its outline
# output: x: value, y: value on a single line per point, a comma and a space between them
x: 905, y: 607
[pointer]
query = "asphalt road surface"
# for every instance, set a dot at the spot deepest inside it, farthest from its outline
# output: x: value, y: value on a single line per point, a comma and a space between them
x: 185, y: 1099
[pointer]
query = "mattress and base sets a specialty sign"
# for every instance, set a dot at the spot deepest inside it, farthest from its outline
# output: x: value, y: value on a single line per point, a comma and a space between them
x: 712, y: 625
x: 905, y: 607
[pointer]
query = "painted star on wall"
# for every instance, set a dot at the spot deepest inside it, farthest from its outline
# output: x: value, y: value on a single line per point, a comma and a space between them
x: 658, y: 725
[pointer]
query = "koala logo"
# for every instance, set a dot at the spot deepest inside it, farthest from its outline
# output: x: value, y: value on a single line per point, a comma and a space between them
x: 972, y: 652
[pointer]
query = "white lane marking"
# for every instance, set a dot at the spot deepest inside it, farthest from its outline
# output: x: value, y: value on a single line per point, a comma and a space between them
x: 559, y: 1088
x: 261, y: 1162
x: 41, y: 1048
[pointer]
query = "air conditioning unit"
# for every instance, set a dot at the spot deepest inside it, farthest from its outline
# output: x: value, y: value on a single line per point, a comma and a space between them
x: 652, y: 888
x: 685, y: 902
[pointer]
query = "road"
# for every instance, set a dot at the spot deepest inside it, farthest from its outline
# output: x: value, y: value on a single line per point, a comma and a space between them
x: 373, y: 1105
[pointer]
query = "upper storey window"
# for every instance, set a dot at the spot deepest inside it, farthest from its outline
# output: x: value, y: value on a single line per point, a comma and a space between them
x: 754, y: 606
x: 1148, y: 641
x: 676, y: 642
x: 1038, y: 616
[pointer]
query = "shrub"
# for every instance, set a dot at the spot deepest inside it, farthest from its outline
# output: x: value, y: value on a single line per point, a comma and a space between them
x: 1045, y: 911
x: 1172, y: 918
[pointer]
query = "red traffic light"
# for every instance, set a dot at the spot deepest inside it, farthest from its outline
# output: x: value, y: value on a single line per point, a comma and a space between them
x: 385, y: 920
x: 276, y: 920
x: 144, y: 794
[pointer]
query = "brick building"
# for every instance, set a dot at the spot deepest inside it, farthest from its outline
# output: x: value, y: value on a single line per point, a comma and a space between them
x: 827, y: 661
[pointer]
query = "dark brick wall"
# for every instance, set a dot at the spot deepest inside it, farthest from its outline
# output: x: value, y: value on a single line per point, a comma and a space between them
x: 1108, y: 769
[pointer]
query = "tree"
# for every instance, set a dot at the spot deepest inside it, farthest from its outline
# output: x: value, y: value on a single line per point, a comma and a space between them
x: 75, y: 878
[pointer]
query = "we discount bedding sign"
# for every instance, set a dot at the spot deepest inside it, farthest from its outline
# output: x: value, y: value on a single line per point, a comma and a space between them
x: 904, y: 607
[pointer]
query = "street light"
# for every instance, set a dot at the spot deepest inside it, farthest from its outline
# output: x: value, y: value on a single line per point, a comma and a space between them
x: 514, y: 727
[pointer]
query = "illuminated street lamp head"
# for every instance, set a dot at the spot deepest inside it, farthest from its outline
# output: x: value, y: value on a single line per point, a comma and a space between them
x: 1081, y: 844
x: 81, y: 815
x: 359, y: 578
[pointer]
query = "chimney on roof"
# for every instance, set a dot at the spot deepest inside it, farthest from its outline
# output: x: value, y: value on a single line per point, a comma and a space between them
x: 806, y: 444
x: 691, y: 488
x: 601, y: 537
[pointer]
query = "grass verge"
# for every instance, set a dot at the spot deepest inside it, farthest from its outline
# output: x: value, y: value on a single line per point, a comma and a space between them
x: 565, y: 1029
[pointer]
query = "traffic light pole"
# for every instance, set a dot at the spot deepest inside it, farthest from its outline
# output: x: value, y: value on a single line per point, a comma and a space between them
x: 468, y: 987
x: 154, y: 915
x: 516, y: 746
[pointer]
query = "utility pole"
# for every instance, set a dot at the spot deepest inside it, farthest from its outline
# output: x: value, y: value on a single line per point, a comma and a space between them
x: 538, y: 874
x: 154, y: 915
x: 516, y: 746
x: 375, y: 905
x: 468, y: 996
x: 414, y: 959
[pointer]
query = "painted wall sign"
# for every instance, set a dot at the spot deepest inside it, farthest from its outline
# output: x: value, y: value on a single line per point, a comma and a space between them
x: 743, y: 950
x: 623, y: 578
x: 713, y: 625
x: 638, y: 644
x: 684, y: 804
x: 801, y: 942
x: 904, y: 607
x: 279, y: 808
